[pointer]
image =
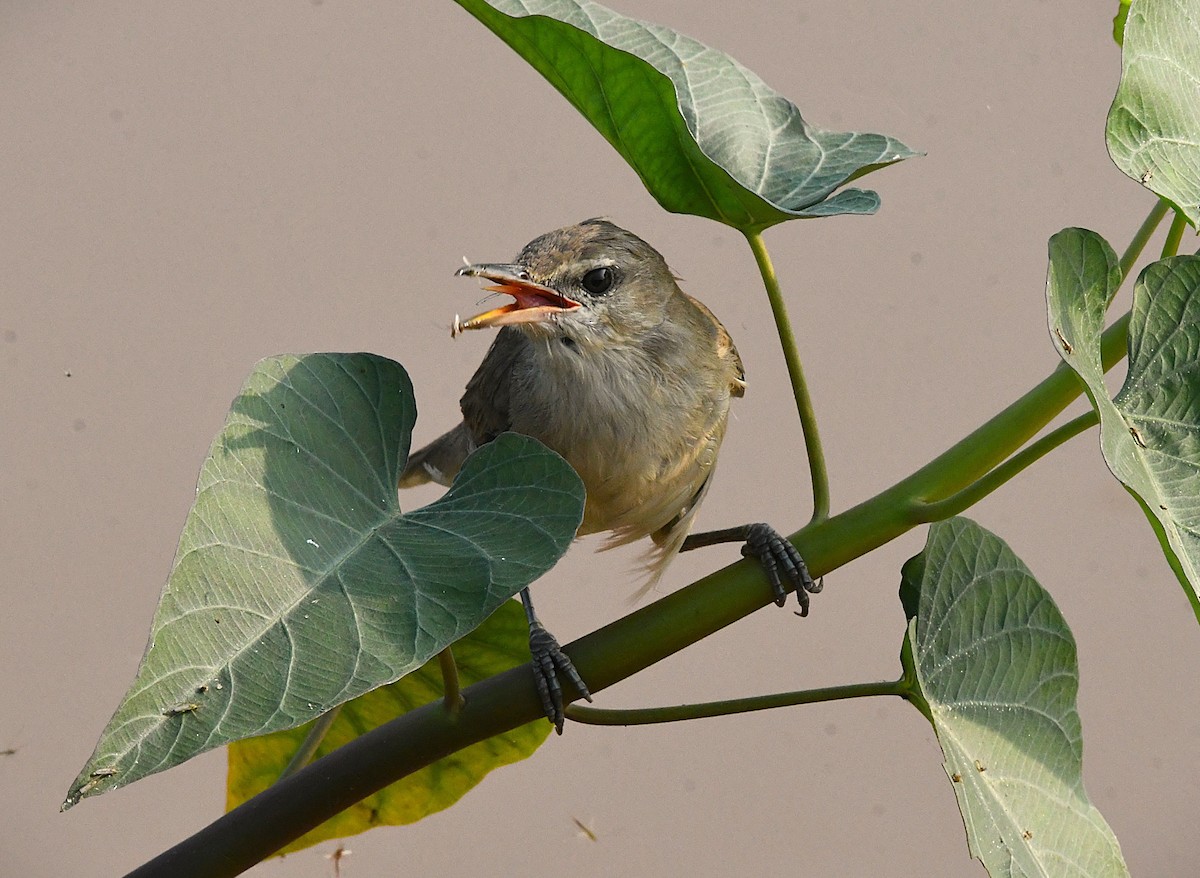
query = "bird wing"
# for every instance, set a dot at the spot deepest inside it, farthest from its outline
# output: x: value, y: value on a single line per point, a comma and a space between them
x: 440, y: 460
x: 727, y: 351
x: 485, y: 408
x: 486, y: 401
x: 702, y: 464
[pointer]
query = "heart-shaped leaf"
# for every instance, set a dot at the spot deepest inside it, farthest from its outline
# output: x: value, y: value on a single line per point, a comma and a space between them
x: 298, y: 583
x: 1153, y: 128
x: 705, y: 134
x: 498, y: 644
x: 996, y: 667
x: 1150, y: 432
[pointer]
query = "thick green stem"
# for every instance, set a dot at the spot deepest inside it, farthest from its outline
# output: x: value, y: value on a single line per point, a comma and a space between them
x: 295, y: 805
x: 791, y: 354
x: 599, y: 716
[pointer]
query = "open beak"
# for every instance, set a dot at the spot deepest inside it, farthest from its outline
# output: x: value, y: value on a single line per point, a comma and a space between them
x: 534, y: 303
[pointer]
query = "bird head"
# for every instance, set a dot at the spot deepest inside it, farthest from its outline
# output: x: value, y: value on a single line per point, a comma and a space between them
x: 593, y: 282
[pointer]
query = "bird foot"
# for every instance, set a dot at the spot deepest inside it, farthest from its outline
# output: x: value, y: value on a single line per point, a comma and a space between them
x: 785, y: 568
x: 548, y: 662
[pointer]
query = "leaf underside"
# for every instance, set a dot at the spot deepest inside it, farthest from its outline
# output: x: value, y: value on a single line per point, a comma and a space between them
x: 706, y: 135
x: 996, y: 665
x: 299, y: 584
x: 1153, y: 128
x: 1150, y: 431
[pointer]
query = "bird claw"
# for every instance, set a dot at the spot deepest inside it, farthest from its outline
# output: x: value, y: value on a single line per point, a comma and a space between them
x: 785, y: 568
x: 548, y: 662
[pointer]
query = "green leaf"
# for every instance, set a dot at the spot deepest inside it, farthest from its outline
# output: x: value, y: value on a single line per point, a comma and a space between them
x: 299, y: 585
x: 498, y: 644
x: 995, y: 664
x: 1150, y: 432
x: 1153, y: 128
x: 705, y: 134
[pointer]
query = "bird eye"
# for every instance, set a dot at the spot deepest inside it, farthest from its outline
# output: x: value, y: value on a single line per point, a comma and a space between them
x: 598, y: 280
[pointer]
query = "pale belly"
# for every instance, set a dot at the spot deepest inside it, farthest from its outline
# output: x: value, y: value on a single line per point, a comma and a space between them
x: 642, y: 441
x: 641, y: 467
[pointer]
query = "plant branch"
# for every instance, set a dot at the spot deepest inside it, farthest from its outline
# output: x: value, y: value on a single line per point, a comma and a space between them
x: 990, y: 444
x: 293, y: 806
x: 287, y: 810
x: 599, y: 716
x: 791, y: 354
x: 297, y: 804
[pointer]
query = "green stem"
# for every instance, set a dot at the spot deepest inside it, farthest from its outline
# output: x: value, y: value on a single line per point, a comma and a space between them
x: 791, y: 354
x: 1174, y: 235
x: 1142, y: 236
x: 308, y: 747
x: 980, y: 488
x: 599, y: 716
x: 452, y: 699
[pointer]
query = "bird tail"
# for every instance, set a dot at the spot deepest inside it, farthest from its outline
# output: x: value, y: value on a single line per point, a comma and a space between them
x: 667, y: 542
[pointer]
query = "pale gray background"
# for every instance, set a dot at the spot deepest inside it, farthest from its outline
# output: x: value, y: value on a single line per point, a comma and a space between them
x: 187, y: 188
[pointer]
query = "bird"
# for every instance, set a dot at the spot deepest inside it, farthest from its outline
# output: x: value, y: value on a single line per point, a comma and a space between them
x: 605, y: 360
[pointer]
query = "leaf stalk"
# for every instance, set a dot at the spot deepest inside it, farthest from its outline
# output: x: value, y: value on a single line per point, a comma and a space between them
x: 312, y: 741
x: 600, y: 716
x: 452, y: 698
x: 1174, y: 235
x: 791, y: 353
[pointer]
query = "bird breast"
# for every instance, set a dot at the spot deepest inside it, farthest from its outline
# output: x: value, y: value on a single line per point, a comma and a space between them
x: 642, y: 438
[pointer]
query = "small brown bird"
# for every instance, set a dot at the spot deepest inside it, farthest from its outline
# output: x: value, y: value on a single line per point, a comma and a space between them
x: 603, y: 359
